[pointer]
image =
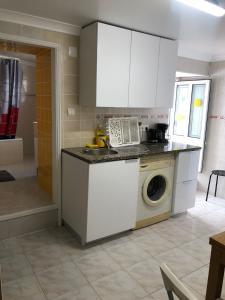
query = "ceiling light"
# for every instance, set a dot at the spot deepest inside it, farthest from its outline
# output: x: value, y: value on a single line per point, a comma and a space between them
x: 205, y: 6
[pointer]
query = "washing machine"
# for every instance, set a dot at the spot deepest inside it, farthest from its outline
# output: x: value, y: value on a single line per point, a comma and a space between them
x: 155, y: 189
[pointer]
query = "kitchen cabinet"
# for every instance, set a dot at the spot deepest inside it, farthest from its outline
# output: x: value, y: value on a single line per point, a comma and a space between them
x: 95, y: 199
x: 104, y: 65
x: 124, y: 68
x: 166, y: 73
x: 143, y: 70
x: 185, y: 181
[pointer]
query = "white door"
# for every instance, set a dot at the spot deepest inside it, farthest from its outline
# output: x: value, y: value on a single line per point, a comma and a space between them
x: 143, y: 70
x: 113, y: 63
x: 166, y: 73
x: 189, y: 113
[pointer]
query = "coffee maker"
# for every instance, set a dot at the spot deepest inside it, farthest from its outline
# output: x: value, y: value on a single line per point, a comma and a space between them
x: 157, y: 134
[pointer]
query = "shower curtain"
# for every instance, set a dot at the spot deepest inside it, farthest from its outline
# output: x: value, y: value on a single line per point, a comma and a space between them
x: 10, y: 96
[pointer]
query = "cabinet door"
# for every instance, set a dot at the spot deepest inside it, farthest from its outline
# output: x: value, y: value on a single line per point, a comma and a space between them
x: 166, y: 73
x: 113, y: 62
x: 187, y: 166
x: 112, y: 198
x: 143, y: 70
x: 184, y: 196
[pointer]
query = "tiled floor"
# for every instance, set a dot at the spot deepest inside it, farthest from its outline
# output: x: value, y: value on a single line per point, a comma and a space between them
x: 21, y: 195
x: 50, y: 264
x: 26, y: 168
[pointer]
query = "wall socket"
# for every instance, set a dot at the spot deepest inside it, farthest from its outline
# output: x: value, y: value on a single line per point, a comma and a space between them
x: 71, y: 111
x: 72, y: 51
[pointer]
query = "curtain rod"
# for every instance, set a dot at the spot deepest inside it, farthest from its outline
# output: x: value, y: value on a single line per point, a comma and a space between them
x: 9, y: 57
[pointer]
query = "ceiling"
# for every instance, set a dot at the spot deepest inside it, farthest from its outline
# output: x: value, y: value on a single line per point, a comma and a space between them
x: 200, y: 35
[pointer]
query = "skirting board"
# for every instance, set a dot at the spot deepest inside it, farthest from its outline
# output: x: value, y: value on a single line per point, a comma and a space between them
x: 152, y: 220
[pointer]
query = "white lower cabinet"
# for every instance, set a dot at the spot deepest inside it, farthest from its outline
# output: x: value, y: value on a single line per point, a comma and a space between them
x: 99, y: 200
x: 185, y: 181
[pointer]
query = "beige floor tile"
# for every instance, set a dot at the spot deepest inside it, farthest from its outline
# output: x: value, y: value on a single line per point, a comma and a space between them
x: 175, y: 235
x: 119, y: 286
x: 147, y: 274
x: 46, y: 257
x: 199, y: 249
x: 60, y: 280
x: 84, y: 293
x: 25, y: 288
x: 97, y: 265
x: 36, y: 240
x: 198, y: 281
x: 14, y: 267
x: 154, y: 244
x: 10, y: 247
x: 180, y: 262
x: 128, y: 254
x: 162, y: 295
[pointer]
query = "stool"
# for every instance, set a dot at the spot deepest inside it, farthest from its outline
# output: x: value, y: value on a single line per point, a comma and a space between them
x: 217, y: 173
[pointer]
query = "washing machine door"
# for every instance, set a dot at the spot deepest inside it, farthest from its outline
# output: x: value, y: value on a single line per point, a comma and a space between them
x: 156, y: 189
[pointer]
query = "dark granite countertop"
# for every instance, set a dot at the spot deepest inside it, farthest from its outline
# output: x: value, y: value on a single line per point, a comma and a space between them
x: 130, y: 152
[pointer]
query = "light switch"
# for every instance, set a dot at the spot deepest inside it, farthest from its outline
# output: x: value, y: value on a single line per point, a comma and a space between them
x: 71, y: 111
x: 73, y: 51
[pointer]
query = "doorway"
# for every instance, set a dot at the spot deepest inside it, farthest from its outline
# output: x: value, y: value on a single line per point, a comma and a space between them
x: 31, y: 184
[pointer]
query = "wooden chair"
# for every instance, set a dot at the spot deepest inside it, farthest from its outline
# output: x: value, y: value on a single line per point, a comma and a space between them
x: 174, y: 286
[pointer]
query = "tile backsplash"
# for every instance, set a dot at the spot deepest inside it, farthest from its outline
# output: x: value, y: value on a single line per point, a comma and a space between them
x: 80, y: 128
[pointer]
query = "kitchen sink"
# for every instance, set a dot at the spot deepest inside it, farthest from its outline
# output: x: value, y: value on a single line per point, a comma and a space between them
x: 100, y: 151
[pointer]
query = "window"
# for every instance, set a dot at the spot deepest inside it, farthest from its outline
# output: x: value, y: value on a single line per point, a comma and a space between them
x: 189, y: 115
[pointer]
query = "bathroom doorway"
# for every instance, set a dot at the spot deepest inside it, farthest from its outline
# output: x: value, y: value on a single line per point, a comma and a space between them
x: 26, y: 181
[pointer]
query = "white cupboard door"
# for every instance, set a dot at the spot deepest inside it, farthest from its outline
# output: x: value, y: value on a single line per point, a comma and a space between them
x: 166, y: 73
x: 187, y: 166
x: 112, y: 198
x: 113, y: 62
x: 143, y: 70
x: 184, y: 196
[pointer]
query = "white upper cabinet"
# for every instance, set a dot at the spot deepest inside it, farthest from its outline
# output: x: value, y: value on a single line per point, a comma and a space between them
x: 143, y: 70
x: 105, y: 63
x: 124, y: 68
x: 166, y: 73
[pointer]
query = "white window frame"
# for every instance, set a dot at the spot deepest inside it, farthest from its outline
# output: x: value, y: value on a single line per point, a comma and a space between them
x: 185, y: 139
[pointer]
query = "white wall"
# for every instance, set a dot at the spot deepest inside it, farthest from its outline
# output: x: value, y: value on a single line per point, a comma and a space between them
x: 214, y: 156
x: 192, y: 66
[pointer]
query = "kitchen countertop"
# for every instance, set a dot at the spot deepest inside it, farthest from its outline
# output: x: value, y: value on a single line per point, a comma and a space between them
x: 130, y: 152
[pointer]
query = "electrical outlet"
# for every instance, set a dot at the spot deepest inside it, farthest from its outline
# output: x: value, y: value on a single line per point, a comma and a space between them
x: 72, y: 51
x: 71, y: 111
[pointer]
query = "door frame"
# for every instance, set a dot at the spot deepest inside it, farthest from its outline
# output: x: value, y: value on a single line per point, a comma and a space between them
x: 56, y: 110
